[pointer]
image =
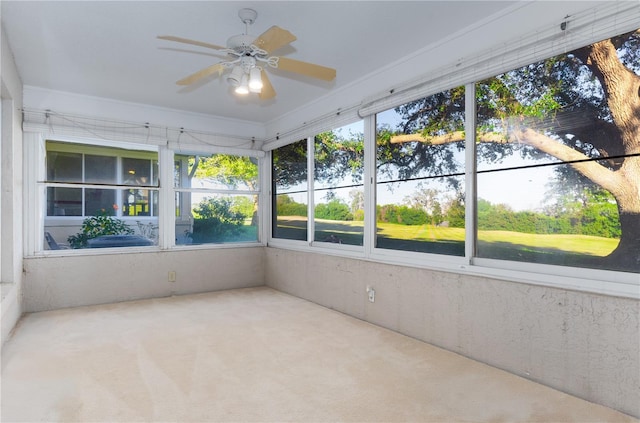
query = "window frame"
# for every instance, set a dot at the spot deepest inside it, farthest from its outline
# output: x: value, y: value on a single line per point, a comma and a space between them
x: 35, y: 186
x: 312, y: 193
x: 227, y: 192
x: 118, y: 185
x: 609, y: 282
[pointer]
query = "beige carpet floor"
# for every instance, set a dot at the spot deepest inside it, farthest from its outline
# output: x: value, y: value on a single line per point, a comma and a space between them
x: 253, y: 355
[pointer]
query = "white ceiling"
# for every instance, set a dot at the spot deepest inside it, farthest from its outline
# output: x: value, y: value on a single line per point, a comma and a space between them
x: 109, y: 49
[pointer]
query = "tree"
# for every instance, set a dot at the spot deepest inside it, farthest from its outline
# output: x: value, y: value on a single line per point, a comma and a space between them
x: 229, y: 170
x: 216, y: 221
x: 357, y: 200
x: 333, y: 210
x: 288, y: 207
x: 436, y: 213
x: 455, y: 211
x: 575, y: 107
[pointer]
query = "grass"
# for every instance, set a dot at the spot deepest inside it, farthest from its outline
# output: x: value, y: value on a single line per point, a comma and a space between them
x: 580, y: 244
x: 537, y: 248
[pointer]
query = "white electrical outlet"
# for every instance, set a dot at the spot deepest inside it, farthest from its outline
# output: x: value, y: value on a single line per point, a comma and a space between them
x: 172, y: 276
x: 372, y: 293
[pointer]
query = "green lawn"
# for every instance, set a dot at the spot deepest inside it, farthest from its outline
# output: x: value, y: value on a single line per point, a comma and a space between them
x: 580, y: 244
x: 550, y: 249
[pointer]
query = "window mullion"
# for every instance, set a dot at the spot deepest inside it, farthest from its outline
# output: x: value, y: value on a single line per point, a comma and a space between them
x: 310, y: 190
x: 166, y: 200
x: 470, y: 201
x: 369, y: 235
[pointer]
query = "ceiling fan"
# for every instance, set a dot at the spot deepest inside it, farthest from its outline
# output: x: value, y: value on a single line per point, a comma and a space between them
x: 249, y: 56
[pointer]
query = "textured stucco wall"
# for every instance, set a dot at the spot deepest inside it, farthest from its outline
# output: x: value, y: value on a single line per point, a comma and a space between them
x: 58, y: 282
x: 11, y: 190
x: 584, y: 344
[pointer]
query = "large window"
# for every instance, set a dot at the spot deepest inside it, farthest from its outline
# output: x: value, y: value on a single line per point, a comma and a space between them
x: 558, y: 165
x: 556, y: 179
x: 216, y: 198
x: 338, y: 186
x: 420, y: 175
x: 100, y: 196
x: 104, y: 196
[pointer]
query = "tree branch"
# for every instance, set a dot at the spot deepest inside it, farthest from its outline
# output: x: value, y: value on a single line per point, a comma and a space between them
x: 591, y: 169
x: 451, y: 137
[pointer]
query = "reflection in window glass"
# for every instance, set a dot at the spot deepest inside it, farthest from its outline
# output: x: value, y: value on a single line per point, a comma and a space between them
x: 205, y: 213
x: 558, y: 182
x: 420, y: 175
x: 289, y: 187
x: 338, y: 188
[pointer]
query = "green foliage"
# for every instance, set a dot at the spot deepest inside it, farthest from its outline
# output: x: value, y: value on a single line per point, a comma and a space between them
x: 358, y: 215
x: 290, y: 164
x: 455, y: 213
x: 436, y: 213
x: 595, y: 213
x: 338, y: 157
x: 216, y: 221
x: 243, y: 205
x: 287, y: 207
x: 95, y: 226
x: 333, y: 210
x: 401, y: 214
x: 229, y: 170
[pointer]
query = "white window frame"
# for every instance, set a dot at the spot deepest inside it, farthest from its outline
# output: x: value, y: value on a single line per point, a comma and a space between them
x: 116, y: 186
x: 35, y: 193
x: 176, y: 190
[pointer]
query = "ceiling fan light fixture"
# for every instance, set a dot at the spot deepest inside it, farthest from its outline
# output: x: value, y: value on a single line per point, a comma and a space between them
x: 244, y: 50
x: 235, y: 77
x: 255, y: 80
x: 243, y: 88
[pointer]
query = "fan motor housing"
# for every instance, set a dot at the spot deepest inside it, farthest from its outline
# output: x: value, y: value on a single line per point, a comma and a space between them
x: 240, y: 42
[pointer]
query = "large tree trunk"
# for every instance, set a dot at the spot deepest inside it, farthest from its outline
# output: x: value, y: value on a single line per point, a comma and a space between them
x: 627, y: 195
x: 622, y: 90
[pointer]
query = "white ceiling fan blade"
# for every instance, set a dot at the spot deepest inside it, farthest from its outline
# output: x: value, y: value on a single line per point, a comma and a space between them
x: 218, y: 67
x: 192, y: 42
x: 273, y: 39
x: 267, y: 91
x: 307, y: 69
